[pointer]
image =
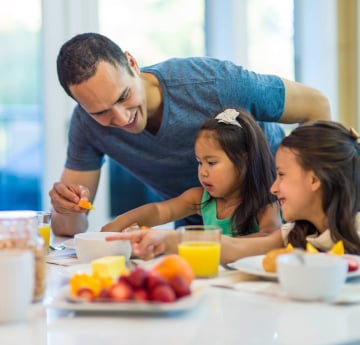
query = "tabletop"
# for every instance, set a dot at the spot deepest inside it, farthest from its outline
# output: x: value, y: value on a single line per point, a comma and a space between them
x: 234, y: 308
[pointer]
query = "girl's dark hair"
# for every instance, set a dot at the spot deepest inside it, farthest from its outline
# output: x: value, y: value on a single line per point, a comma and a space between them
x: 332, y: 152
x: 79, y: 57
x: 247, y: 148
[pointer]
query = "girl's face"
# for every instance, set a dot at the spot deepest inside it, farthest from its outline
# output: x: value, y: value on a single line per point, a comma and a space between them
x: 217, y: 173
x: 113, y: 97
x: 297, y: 190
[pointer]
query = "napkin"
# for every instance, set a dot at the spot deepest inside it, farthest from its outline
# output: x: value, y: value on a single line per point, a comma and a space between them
x: 66, y: 257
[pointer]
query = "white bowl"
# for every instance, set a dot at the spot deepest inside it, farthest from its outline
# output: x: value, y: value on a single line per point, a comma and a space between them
x: 92, y: 245
x: 318, y: 277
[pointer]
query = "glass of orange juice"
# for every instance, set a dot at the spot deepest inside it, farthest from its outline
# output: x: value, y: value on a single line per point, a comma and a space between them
x: 200, y: 246
x: 44, y: 226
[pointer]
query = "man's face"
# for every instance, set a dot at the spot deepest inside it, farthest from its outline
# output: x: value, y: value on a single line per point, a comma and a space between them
x: 114, y: 98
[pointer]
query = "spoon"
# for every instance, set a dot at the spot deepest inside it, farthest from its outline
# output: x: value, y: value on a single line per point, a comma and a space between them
x: 52, y: 247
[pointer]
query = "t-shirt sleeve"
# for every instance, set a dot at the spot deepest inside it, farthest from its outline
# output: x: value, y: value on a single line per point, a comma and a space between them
x: 263, y: 95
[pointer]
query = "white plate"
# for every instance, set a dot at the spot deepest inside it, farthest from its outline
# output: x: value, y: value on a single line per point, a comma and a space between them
x: 253, y: 265
x: 64, y: 301
x: 69, y: 244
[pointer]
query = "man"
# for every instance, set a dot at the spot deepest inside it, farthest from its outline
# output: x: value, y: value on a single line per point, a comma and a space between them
x: 146, y: 119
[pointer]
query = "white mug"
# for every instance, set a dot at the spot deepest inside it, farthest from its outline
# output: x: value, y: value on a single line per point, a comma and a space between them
x: 16, y: 284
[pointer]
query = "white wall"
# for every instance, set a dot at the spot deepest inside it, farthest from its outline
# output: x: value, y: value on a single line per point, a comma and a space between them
x: 62, y: 19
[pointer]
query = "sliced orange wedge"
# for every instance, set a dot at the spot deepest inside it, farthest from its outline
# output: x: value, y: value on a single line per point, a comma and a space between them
x: 86, y: 204
x: 338, y: 248
x: 310, y: 248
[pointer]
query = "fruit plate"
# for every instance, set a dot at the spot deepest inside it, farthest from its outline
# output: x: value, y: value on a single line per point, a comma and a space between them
x: 63, y: 300
x: 253, y: 265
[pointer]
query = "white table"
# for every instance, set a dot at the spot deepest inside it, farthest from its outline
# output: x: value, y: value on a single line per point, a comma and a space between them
x: 223, y: 317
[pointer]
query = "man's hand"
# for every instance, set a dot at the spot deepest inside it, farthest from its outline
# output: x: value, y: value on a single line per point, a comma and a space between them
x: 65, y: 198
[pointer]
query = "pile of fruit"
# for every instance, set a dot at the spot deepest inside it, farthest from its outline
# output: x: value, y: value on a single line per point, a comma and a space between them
x: 269, y: 260
x: 167, y: 281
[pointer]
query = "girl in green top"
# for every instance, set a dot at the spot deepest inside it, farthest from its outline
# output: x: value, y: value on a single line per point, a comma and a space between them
x: 235, y: 169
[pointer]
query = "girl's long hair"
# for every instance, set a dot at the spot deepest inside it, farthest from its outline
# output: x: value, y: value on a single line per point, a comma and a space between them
x: 332, y: 152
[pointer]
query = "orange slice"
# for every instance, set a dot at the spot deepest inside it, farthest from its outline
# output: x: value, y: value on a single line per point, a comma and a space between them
x: 289, y: 246
x: 86, y: 204
x: 338, y: 248
x: 310, y: 248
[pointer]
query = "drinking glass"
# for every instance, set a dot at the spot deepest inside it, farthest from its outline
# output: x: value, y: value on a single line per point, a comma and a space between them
x: 44, y: 226
x: 200, y: 246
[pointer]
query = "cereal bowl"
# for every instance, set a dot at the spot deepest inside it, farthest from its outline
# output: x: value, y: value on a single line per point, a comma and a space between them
x: 311, y: 276
x: 92, y: 245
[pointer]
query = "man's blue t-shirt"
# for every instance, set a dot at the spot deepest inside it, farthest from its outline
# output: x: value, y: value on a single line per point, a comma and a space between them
x: 194, y: 89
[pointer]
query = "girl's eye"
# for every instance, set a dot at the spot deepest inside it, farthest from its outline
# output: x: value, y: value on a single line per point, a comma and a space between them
x: 211, y: 163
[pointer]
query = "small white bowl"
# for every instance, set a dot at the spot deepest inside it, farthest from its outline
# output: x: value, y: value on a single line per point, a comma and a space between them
x: 317, y: 277
x: 92, y: 245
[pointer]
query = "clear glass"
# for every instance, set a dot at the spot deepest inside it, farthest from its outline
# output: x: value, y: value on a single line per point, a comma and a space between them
x: 44, y: 227
x: 200, y: 245
x: 19, y: 230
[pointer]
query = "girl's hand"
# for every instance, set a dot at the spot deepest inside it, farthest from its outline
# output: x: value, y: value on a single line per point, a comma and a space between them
x: 146, y: 244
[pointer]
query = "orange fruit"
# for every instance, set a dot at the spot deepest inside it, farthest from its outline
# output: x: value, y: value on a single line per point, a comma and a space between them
x: 173, y: 265
x: 269, y: 260
x: 289, y: 246
x: 338, y: 248
x: 86, y: 204
x: 310, y: 248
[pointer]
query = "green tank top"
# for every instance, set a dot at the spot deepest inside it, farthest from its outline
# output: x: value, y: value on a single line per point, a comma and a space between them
x: 209, y: 212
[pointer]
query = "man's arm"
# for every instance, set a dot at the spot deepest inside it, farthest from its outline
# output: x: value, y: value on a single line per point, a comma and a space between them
x: 303, y: 104
x: 67, y: 217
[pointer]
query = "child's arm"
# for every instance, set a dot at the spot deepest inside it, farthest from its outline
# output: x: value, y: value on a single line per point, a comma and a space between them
x: 268, y: 221
x: 158, y: 213
x: 234, y: 248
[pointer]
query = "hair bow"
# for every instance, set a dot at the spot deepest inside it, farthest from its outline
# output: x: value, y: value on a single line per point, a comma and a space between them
x: 228, y: 117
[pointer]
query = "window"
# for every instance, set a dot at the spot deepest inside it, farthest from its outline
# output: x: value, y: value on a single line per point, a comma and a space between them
x: 21, y: 139
x: 138, y: 26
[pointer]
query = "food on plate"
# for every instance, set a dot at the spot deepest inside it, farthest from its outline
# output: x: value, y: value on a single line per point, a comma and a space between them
x: 338, y: 248
x: 141, y: 285
x: 311, y: 249
x: 109, y: 266
x: 269, y: 260
x: 353, y: 264
x: 86, y: 204
x: 172, y: 265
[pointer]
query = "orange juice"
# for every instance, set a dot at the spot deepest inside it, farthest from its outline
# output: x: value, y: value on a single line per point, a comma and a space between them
x: 203, y: 256
x: 44, y: 231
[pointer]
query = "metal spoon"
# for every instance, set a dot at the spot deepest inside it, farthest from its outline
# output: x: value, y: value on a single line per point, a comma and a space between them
x: 52, y: 247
